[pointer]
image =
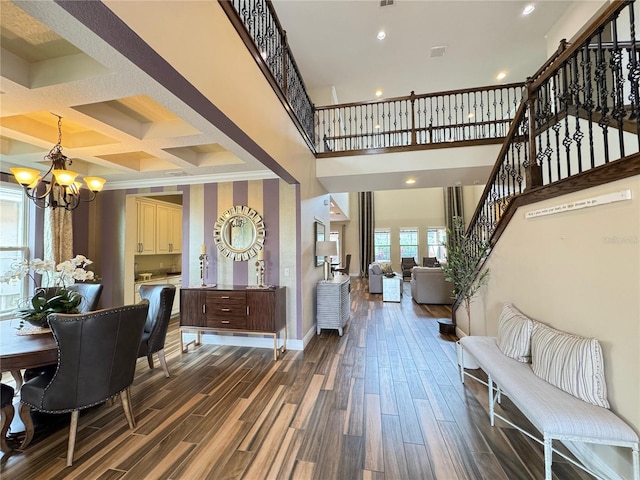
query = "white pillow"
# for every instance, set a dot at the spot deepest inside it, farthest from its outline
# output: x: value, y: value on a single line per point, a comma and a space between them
x: 514, y: 334
x: 570, y: 362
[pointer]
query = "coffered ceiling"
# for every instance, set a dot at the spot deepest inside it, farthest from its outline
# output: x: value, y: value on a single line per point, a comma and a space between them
x: 120, y: 124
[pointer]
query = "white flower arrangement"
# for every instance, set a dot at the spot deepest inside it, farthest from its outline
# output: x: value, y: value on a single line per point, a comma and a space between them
x: 60, y: 275
x: 54, y: 298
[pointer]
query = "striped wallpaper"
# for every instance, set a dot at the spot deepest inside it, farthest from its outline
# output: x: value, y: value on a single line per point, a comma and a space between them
x: 274, y: 199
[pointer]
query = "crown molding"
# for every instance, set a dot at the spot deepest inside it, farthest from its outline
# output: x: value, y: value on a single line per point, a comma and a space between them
x: 190, y: 180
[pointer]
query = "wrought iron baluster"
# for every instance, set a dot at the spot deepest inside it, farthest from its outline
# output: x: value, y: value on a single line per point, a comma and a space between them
x: 601, y: 82
x: 617, y: 94
x: 576, y: 87
x: 634, y: 74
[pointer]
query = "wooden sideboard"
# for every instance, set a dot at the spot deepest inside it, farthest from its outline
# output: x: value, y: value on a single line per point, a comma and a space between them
x: 234, y: 309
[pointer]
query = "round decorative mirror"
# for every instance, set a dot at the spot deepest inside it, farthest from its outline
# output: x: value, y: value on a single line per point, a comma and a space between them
x: 239, y: 233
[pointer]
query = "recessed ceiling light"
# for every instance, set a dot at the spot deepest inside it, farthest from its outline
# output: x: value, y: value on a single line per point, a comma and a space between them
x: 410, y: 181
x: 501, y: 75
x: 378, y: 93
x: 381, y: 35
x: 471, y: 115
x: 528, y: 9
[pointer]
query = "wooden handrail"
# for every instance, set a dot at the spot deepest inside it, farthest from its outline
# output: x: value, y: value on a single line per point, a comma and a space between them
x: 613, y: 9
x: 511, y: 134
x: 422, y: 95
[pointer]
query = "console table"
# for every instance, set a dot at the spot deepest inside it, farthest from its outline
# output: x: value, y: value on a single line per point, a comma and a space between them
x: 332, y: 303
x: 234, y: 309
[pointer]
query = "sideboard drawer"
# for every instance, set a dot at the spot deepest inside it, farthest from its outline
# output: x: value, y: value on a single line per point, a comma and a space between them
x: 227, y: 296
x: 237, y: 323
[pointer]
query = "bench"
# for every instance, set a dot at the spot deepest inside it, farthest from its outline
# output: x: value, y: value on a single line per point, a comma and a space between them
x: 557, y: 415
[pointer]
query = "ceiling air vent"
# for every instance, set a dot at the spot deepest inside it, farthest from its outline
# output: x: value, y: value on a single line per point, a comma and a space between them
x: 386, y: 3
x: 438, y: 51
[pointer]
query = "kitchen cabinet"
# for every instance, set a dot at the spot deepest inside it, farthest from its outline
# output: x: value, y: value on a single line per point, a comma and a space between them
x: 159, y: 228
x: 168, y: 229
x: 146, y: 233
x: 236, y: 309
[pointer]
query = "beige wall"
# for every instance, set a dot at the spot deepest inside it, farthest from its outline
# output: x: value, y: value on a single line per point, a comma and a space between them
x: 395, y: 209
x: 579, y: 272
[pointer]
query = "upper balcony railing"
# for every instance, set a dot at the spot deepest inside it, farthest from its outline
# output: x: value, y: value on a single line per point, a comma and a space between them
x: 474, y: 116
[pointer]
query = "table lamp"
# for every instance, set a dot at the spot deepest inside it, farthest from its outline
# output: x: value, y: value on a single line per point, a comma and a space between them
x: 326, y: 249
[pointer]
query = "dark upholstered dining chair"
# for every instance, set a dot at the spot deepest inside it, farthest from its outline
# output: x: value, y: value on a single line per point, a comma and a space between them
x: 97, y: 353
x: 155, y: 329
x: 6, y: 414
x: 347, y: 264
x: 90, y: 293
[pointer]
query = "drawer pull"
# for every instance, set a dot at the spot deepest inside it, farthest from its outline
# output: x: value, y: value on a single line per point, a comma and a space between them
x: 225, y: 309
x: 204, y: 308
x: 225, y: 296
x: 225, y: 321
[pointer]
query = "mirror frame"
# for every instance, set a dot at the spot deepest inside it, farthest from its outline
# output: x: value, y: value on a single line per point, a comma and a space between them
x: 320, y: 234
x: 224, y: 221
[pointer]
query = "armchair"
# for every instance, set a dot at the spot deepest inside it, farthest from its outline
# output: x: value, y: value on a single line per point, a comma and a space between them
x: 155, y: 329
x: 407, y: 264
x: 97, y: 354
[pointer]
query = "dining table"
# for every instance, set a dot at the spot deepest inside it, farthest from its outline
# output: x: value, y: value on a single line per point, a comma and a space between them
x: 19, y: 352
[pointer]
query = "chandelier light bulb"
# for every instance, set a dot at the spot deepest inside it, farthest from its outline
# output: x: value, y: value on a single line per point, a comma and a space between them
x: 25, y: 176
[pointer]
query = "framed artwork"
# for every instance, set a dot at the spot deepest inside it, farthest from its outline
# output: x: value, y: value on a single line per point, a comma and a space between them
x: 319, y: 226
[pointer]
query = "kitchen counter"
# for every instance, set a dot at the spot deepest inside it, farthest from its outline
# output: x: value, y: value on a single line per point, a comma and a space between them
x: 159, y: 276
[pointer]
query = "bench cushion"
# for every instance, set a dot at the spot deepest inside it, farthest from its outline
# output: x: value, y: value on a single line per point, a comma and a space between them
x: 514, y: 334
x: 570, y: 362
x: 552, y: 411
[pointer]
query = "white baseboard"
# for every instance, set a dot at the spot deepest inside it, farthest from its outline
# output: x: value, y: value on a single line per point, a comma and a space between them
x: 250, y: 341
x: 238, y: 341
x: 585, y: 454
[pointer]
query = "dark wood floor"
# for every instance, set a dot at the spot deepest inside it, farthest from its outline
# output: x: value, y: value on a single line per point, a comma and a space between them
x: 384, y: 401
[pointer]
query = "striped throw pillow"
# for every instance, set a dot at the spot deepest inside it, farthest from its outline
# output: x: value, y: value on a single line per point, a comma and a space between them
x: 572, y: 363
x: 514, y: 334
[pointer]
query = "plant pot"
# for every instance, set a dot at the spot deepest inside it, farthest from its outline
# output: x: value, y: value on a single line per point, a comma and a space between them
x: 469, y: 362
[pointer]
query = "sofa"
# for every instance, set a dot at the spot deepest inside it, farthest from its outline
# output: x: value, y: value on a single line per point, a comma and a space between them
x: 429, y: 286
x: 375, y: 277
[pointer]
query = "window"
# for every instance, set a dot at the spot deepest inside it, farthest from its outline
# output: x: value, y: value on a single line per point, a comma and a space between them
x: 335, y: 237
x: 436, y: 243
x: 409, y: 243
x: 382, y: 245
x: 13, y: 243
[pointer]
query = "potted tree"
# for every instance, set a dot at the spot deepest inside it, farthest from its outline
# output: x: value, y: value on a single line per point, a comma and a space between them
x: 464, y: 255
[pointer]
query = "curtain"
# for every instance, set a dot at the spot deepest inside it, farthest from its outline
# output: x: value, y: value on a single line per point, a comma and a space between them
x: 58, y: 234
x: 453, y: 205
x: 366, y: 229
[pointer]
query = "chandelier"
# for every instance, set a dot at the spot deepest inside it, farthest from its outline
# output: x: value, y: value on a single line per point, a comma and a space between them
x: 61, y: 190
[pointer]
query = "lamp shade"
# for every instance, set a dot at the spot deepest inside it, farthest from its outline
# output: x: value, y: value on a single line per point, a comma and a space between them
x: 326, y: 249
